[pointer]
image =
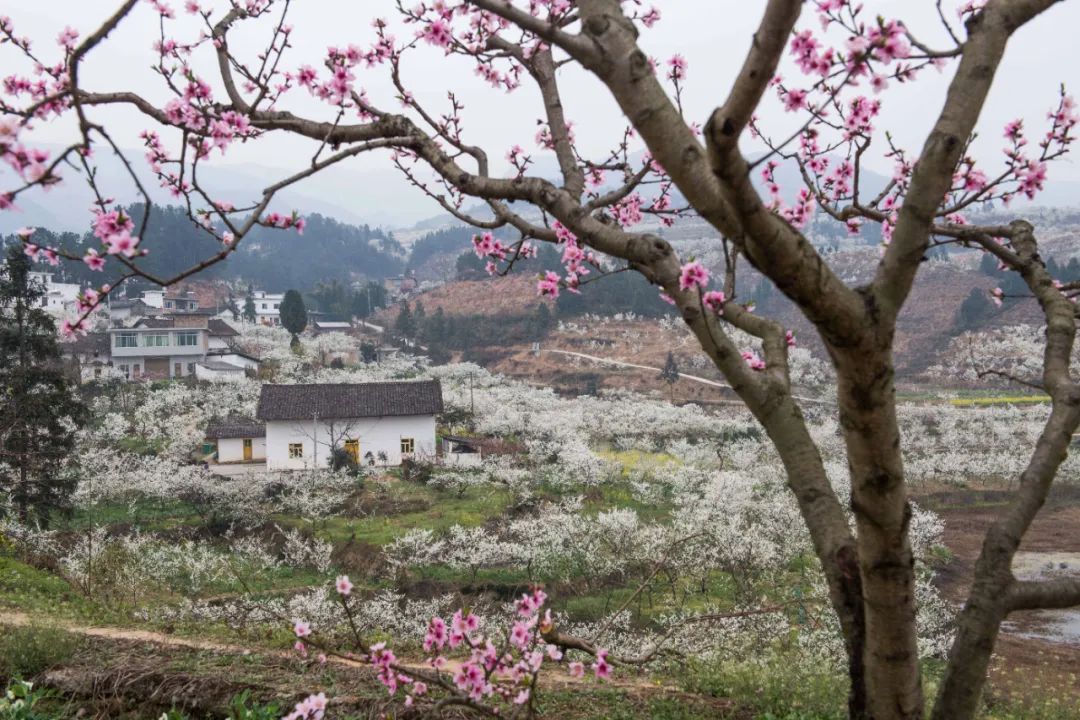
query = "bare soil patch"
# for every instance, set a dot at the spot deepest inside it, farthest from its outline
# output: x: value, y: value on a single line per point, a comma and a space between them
x: 1021, y: 664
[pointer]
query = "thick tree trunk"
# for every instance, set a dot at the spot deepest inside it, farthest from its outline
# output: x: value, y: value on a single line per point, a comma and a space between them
x: 882, y: 516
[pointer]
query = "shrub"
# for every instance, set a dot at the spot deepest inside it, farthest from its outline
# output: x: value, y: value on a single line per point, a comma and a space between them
x: 242, y: 707
x: 20, y: 701
x: 27, y: 651
x: 777, y: 685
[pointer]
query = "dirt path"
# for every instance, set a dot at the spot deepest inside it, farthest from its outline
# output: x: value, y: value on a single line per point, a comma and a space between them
x: 551, y: 679
x: 684, y: 376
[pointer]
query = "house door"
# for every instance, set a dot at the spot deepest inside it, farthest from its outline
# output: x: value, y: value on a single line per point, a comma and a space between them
x: 353, y: 448
x: 247, y: 448
x: 178, y: 369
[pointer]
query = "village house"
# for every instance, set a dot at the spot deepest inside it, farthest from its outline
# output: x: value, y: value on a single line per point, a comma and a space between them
x: 175, y: 346
x: 60, y: 297
x: 236, y: 440
x: 380, y: 423
x: 88, y: 356
x: 267, y: 307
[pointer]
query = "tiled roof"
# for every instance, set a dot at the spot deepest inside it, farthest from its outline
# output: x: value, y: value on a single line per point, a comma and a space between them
x: 234, y: 427
x: 341, y: 400
x: 95, y: 342
x: 220, y: 328
x: 157, y: 323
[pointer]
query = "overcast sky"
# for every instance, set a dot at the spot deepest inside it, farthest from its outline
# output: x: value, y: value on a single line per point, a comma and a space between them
x: 712, y: 34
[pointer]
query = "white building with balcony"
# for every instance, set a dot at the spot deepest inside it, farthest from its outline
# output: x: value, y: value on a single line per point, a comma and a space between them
x: 158, y: 348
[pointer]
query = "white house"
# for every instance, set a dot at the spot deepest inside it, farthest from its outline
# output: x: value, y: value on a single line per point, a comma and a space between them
x: 59, y: 298
x: 267, y: 307
x: 174, y: 346
x: 237, y: 439
x: 89, y: 355
x: 377, y: 423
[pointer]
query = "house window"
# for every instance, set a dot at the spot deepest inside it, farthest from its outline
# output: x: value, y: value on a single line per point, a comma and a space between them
x: 156, y: 341
x: 264, y: 306
x: 296, y: 450
x: 125, y: 371
x: 136, y: 370
x: 97, y: 372
x: 127, y: 340
x: 191, y: 368
x: 408, y: 446
x: 189, y: 337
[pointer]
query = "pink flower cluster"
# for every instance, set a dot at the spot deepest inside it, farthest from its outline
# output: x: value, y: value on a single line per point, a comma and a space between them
x: 277, y: 220
x: 576, y: 260
x: 693, y: 274
x: 753, y: 360
x: 113, y: 228
x: 492, y: 671
x: 313, y: 707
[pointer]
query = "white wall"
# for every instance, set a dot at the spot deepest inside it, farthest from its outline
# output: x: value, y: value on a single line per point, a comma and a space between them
x: 238, y: 360
x: 375, y: 435
x: 232, y: 449
x: 204, y: 373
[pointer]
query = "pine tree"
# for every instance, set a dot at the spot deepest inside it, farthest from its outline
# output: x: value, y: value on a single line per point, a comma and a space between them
x: 670, y: 373
x: 249, y: 308
x: 234, y: 309
x: 404, y: 325
x: 293, y: 314
x: 974, y: 311
x: 988, y: 265
x: 542, y: 321
x: 39, y: 410
x: 436, y: 332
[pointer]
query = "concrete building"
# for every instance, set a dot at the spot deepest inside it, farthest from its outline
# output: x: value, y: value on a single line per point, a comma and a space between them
x: 376, y: 423
x: 173, y: 347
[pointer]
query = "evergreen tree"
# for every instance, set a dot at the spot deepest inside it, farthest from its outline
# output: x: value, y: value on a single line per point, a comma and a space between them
x: 249, y: 307
x: 670, y: 373
x: 233, y: 308
x: 404, y: 325
x: 39, y: 410
x: 293, y: 313
x: 974, y: 311
x: 436, y: 330
x: 368, y: 352
x: 988, y: 265
x: 541, y: 321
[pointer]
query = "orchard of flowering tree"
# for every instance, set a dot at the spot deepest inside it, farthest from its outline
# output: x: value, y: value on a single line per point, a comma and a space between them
x: 610, y: 537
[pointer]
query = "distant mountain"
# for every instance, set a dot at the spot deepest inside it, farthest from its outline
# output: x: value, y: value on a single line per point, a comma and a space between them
x: 268, y: 258
x: 351, y: 194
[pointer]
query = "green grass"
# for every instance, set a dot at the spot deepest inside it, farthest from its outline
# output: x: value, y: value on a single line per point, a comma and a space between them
x: 27, y: 651
x: 1000, y: 400
x: 445, y: 510
x: 149, y: 515
x: 40, y: 593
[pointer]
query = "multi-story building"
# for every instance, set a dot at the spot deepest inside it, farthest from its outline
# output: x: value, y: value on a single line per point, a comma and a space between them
x: 159, y: 347
x: 59, y: 299
x: 267, y: 307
